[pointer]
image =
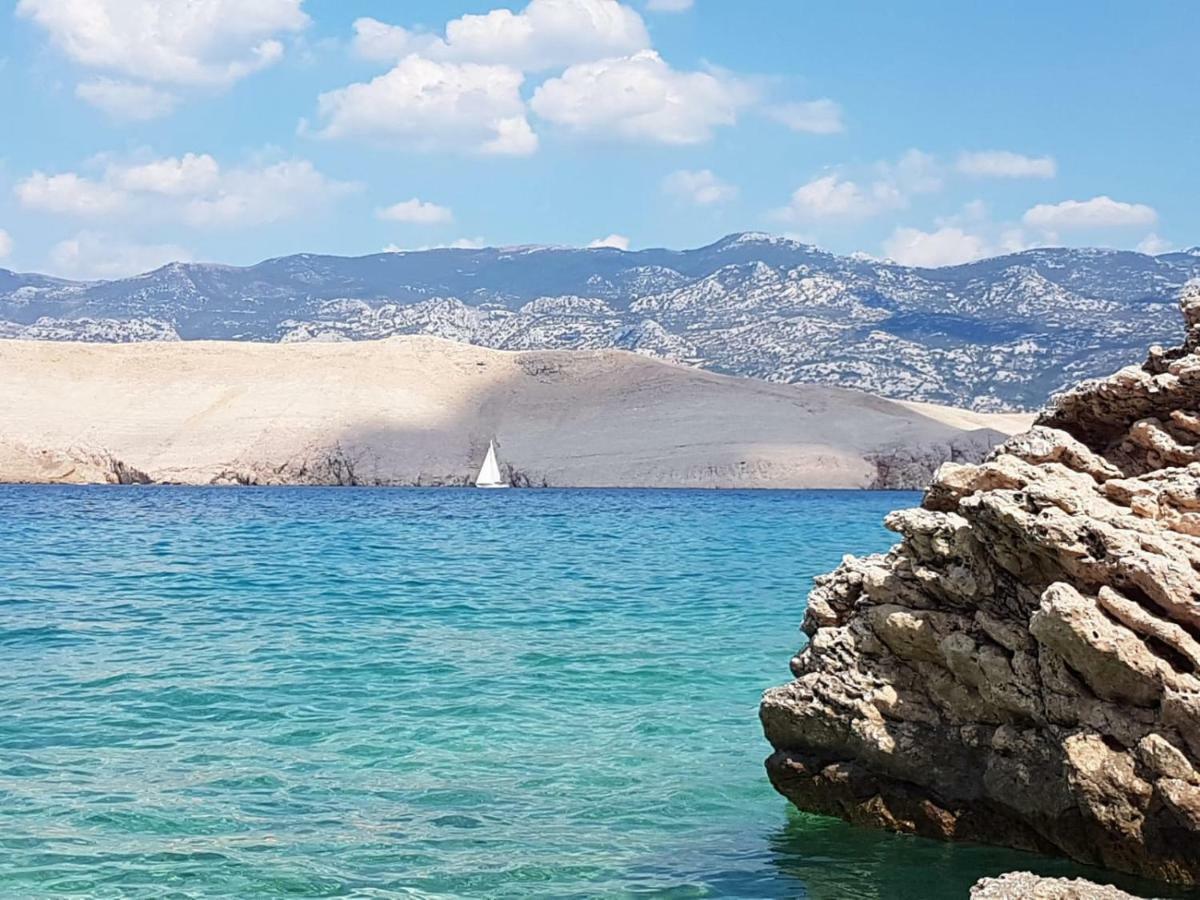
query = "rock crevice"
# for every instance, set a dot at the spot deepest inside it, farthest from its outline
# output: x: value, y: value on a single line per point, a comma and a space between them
x: 1023, y: 668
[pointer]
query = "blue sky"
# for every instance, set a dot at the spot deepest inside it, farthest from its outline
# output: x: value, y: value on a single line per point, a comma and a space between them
x: 139, y: 131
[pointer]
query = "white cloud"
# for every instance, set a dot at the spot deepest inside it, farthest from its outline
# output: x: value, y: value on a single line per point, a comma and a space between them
x: 430, y: 105
x: 415, y: 211
x: 945, y: 247
x: 462, y: 89
x: 669, y: 5
x: 91, y: 255
x: 258, y: 195
x: 68, y: 194
x: 382, y: 42
x: 1099, y: 212
x: 811, y: 117
x: 640, y: 97
x: 700, y: 187
x: 126, y: 100
x: 193, y: 189
x: 1153, y: 245
x: 475, y: 243
x: 833, y: 197
x: 1005, y: 164
x: 546, y: 34
x: 614, y: 241
x: 915, y: 172
x: 888, y: 185
x: 514, y: 137
x: 6, y: 244
x: 190, y: 174
x: 184, y: 42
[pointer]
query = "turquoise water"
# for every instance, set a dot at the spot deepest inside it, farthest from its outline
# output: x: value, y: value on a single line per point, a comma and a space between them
x: 438, y: 693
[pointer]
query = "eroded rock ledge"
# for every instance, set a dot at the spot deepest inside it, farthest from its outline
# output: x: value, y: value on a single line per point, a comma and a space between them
x: 1027, y: 886
x: 1023, y: 668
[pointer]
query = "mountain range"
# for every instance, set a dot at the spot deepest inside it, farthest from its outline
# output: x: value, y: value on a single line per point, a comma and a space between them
x: 998, y: 334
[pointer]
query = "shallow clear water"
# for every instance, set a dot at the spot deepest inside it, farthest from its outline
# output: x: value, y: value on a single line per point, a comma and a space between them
x: 439, y: 693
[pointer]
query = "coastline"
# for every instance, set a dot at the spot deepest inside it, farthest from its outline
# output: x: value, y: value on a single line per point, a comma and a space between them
x: 419, y: 411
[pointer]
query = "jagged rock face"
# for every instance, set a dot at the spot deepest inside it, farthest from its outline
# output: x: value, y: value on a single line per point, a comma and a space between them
x: 1024, y: 667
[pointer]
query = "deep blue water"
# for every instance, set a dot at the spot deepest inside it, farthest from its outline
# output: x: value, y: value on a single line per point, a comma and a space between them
x: 420, y: 693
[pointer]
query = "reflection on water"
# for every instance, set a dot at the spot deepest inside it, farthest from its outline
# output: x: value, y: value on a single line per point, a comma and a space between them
x: 830, y: 860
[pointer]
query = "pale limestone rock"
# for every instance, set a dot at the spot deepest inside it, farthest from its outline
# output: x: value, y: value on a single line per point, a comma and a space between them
x: 1022, y: 668
x: 1027, y: 886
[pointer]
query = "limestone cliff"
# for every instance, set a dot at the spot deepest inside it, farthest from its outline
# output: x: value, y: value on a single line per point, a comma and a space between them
x: 1023, y: 668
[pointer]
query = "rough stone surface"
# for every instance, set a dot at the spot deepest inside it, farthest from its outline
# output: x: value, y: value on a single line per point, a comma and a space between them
x: 1023, y: 668
x: 1027, y: 886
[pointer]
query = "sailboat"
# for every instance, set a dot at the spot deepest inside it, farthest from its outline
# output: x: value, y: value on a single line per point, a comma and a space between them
x: 489, y: 472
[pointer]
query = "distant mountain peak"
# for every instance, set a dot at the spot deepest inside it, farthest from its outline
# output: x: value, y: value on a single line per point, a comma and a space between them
x: 757, y: 237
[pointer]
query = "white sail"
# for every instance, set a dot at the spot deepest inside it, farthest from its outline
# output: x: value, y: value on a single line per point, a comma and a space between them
x: 489, y: 472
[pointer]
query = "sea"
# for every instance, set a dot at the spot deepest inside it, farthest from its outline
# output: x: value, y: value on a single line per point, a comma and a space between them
x: 308, y: 692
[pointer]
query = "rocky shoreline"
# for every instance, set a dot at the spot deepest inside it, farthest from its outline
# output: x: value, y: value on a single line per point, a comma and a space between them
x: 422, y: 411
x: 1022, y: 668
x: 897, y: 469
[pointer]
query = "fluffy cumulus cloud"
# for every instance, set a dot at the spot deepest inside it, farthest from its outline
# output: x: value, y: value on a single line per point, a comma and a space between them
x: 613, y: 241
x: 259, y: 195
x: 182, y: 42
x: 193, y: 189
x: 6, y: 244
x: 94, y: 255
x: 1005, y: 164
x: 546, y: 34
x: 69, y: 194
x: 946, y: 246
x: 428, y: 105
x: 175, y: 176
x: 382, y: 42
x: 416, y: 212
x: 891, y: 185
x: 1154, y: 245
x: 834, y: 197
x: 463, y: 88
x: 1079, y: 215
x: 126, y: 100
x: 810, y: 117
x: 700, y: 187
x: 640, y: 97
x: 887, y: 185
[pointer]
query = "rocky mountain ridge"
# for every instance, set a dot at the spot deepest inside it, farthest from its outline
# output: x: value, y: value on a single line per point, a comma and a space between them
x: 998, y: 334
x: 1023, y: 668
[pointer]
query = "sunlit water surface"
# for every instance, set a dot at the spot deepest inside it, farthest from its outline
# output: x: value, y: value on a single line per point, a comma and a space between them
x: 438, y: 693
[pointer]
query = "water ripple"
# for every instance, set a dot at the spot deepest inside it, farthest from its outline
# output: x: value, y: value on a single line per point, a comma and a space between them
x: 359, y: 693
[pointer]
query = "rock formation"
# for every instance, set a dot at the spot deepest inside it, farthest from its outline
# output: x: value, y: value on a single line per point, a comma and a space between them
x: 1024, y: 667
x: 1027, y: 886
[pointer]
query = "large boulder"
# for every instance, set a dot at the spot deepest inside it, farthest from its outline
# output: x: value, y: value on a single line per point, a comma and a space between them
x: 1023, y: 668
x: 1027, y: 886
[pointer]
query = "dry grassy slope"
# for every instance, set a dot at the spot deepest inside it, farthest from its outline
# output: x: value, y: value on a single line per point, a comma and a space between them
x: 421, y: 410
